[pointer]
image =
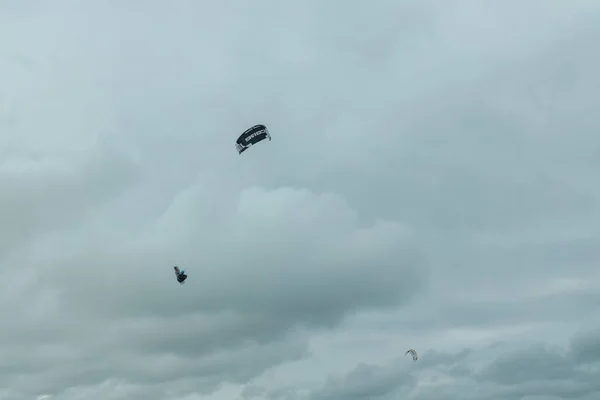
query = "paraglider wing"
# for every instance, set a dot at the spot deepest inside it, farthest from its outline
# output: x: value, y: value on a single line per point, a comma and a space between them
x: 252, y: 136
x: 415, y: 357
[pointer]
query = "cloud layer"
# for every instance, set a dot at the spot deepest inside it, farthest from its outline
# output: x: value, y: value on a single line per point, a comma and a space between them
x: 511, y: 372
x: 431, y: 184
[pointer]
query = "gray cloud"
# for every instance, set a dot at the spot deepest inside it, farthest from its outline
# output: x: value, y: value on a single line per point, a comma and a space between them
x: 522, y: 372
x: 431, y: 183
x: 51, y: 192
x: 250, y: 283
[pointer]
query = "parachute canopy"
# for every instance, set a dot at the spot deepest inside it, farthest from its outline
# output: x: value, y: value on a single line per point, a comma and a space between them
x: 252, y: 136
x: 413, y: 353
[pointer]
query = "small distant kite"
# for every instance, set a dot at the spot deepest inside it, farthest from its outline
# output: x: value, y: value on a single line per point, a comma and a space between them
x: 413, y: 353
x: 252, y: 136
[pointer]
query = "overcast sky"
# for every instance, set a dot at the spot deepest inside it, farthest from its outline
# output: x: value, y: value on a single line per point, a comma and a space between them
x: 432, y: 183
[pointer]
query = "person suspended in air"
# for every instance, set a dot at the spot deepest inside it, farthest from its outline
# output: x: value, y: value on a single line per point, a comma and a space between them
x: 180, y: 274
